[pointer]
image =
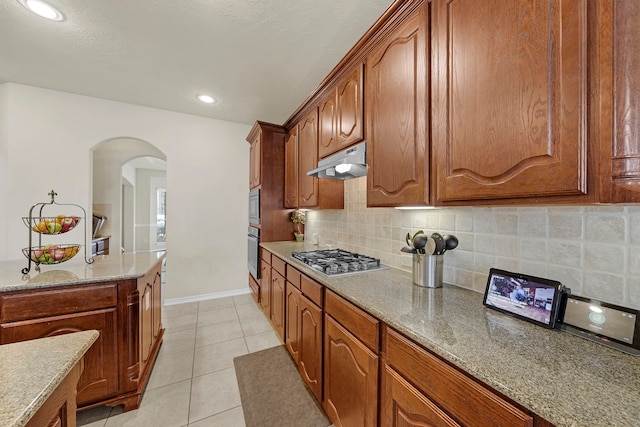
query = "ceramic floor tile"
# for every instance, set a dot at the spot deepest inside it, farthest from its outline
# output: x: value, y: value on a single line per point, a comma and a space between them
x: 248, y: 310
x: 213, y: 393
x: 211, y: 304
x: 231, y: 418
x: 94, y: 417
x: 262, y: 341
x: 171, y: 368
x: 179, y: 309
x: 212, y: 334
x: 165, y: 406
x: 217, y: 315
x: 243, y: 299
x: 255, y: 324
x: 181, y: 322
x: 216, y: 357
x: 173, y: 342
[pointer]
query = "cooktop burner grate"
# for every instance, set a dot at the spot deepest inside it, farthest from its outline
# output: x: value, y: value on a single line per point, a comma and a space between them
x: 338, y: 261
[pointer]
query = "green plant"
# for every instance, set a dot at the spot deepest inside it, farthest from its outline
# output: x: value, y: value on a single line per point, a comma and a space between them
x: 298, y: 217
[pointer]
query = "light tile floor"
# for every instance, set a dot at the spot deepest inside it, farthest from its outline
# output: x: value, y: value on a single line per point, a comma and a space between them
x: 193, y: 382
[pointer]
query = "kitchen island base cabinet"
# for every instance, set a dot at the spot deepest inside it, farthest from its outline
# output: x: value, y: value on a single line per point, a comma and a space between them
x: 127, y: 315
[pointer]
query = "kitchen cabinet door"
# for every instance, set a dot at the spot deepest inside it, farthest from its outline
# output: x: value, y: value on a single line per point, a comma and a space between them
x: 307, y: 160
x: 340, y: 115
x: 509, y: 104
x: 150, y: 318
x: 620, y: 91
x: 310, y: 358
x: 350, y: 378
x: 291, y: 169
x: 327, y: 129
x: 255, y: 153
x: 278, y: 285
x: 292, y: 321
x: 349, y: 127
x: 265, y: 288
x: 99, y: 380
x: 403, y: 405
x: 397, y: 118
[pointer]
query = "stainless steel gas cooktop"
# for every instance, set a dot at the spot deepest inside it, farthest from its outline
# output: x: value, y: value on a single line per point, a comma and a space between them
x: 335, y: 262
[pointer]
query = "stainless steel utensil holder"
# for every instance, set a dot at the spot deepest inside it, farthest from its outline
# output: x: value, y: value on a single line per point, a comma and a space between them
x: 427, y: 270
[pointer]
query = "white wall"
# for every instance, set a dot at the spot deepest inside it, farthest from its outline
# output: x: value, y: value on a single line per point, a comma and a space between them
x: 4, y: 164
x: 594, y: 250
x: 46, y: 144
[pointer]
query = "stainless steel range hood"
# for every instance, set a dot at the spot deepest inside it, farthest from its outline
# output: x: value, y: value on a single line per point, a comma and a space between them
x: 346, y: 164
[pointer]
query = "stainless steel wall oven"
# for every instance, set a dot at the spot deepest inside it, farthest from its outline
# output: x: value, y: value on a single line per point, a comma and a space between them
x: 254, y: 252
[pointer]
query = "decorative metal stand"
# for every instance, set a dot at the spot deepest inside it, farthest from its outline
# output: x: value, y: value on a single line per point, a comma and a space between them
x: 52, y: 254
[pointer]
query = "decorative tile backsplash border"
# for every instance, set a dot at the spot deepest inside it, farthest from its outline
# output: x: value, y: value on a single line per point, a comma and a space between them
x: 594, y: 250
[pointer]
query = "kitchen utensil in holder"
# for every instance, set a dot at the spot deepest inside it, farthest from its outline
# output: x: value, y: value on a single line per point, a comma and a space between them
x: 427, y: 270
x: 61, y: 253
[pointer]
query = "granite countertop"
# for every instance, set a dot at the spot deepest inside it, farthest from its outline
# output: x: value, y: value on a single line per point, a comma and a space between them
x: 566, y: 380
x: 31, y: 371
x: 75, y: 271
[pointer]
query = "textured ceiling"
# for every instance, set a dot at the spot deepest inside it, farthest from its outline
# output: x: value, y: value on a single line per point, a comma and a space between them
x: 259, y: 58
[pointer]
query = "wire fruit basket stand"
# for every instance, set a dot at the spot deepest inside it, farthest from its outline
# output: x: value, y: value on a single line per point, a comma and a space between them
x: 40, y: 225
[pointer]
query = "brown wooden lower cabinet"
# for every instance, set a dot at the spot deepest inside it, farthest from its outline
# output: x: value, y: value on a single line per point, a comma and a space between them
x: 265, y: 287
x: 304, y: 335
x: 403, y: 405
x: 310, y: 361
x: 127, y: 315
x: 463, y: 399
x: 350, y: 378
x: 60, y: 409
x: 277, y: 302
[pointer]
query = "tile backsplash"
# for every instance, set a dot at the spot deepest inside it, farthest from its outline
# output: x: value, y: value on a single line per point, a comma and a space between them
x: 594, y: 250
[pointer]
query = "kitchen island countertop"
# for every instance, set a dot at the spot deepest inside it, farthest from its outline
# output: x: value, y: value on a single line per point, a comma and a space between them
x: 566, y: 380
x: 32, y: 370
x: 75, y: 271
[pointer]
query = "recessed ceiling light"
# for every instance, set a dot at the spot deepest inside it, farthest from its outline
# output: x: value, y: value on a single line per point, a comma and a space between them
x: 43, y: 9
x: 206, y: 99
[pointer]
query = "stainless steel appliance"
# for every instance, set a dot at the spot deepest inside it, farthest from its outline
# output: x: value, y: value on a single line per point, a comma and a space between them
x: 335, y: 262
x: 254, y: 252
x: 254, y: 206
x: 346, y: 164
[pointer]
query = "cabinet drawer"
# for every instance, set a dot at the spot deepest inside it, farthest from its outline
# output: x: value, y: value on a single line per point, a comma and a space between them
x: 17, y: 306
x: 312, y: 289
x: 279, y: 265
x: 365, y: 327
x: 293, y: 276
x: 466, y: 400
x: 265, y: 255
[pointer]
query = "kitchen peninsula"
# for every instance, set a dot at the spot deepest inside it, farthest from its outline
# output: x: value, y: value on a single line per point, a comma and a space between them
x: 118, y: 295
x: 39, y: 379
x: 554, y: 377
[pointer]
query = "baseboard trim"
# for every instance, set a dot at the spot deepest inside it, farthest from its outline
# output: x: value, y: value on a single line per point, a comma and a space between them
x: 196, y: 298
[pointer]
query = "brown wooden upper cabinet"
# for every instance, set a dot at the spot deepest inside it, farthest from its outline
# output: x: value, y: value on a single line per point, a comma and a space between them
x: 254, y: 159
x: 301, y: 156
x: 509, y: 84
x: 619, y: 88
x: 291, y: 169
x: 307, y: 160
x: 397, y: 117
x: 340, y: 115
